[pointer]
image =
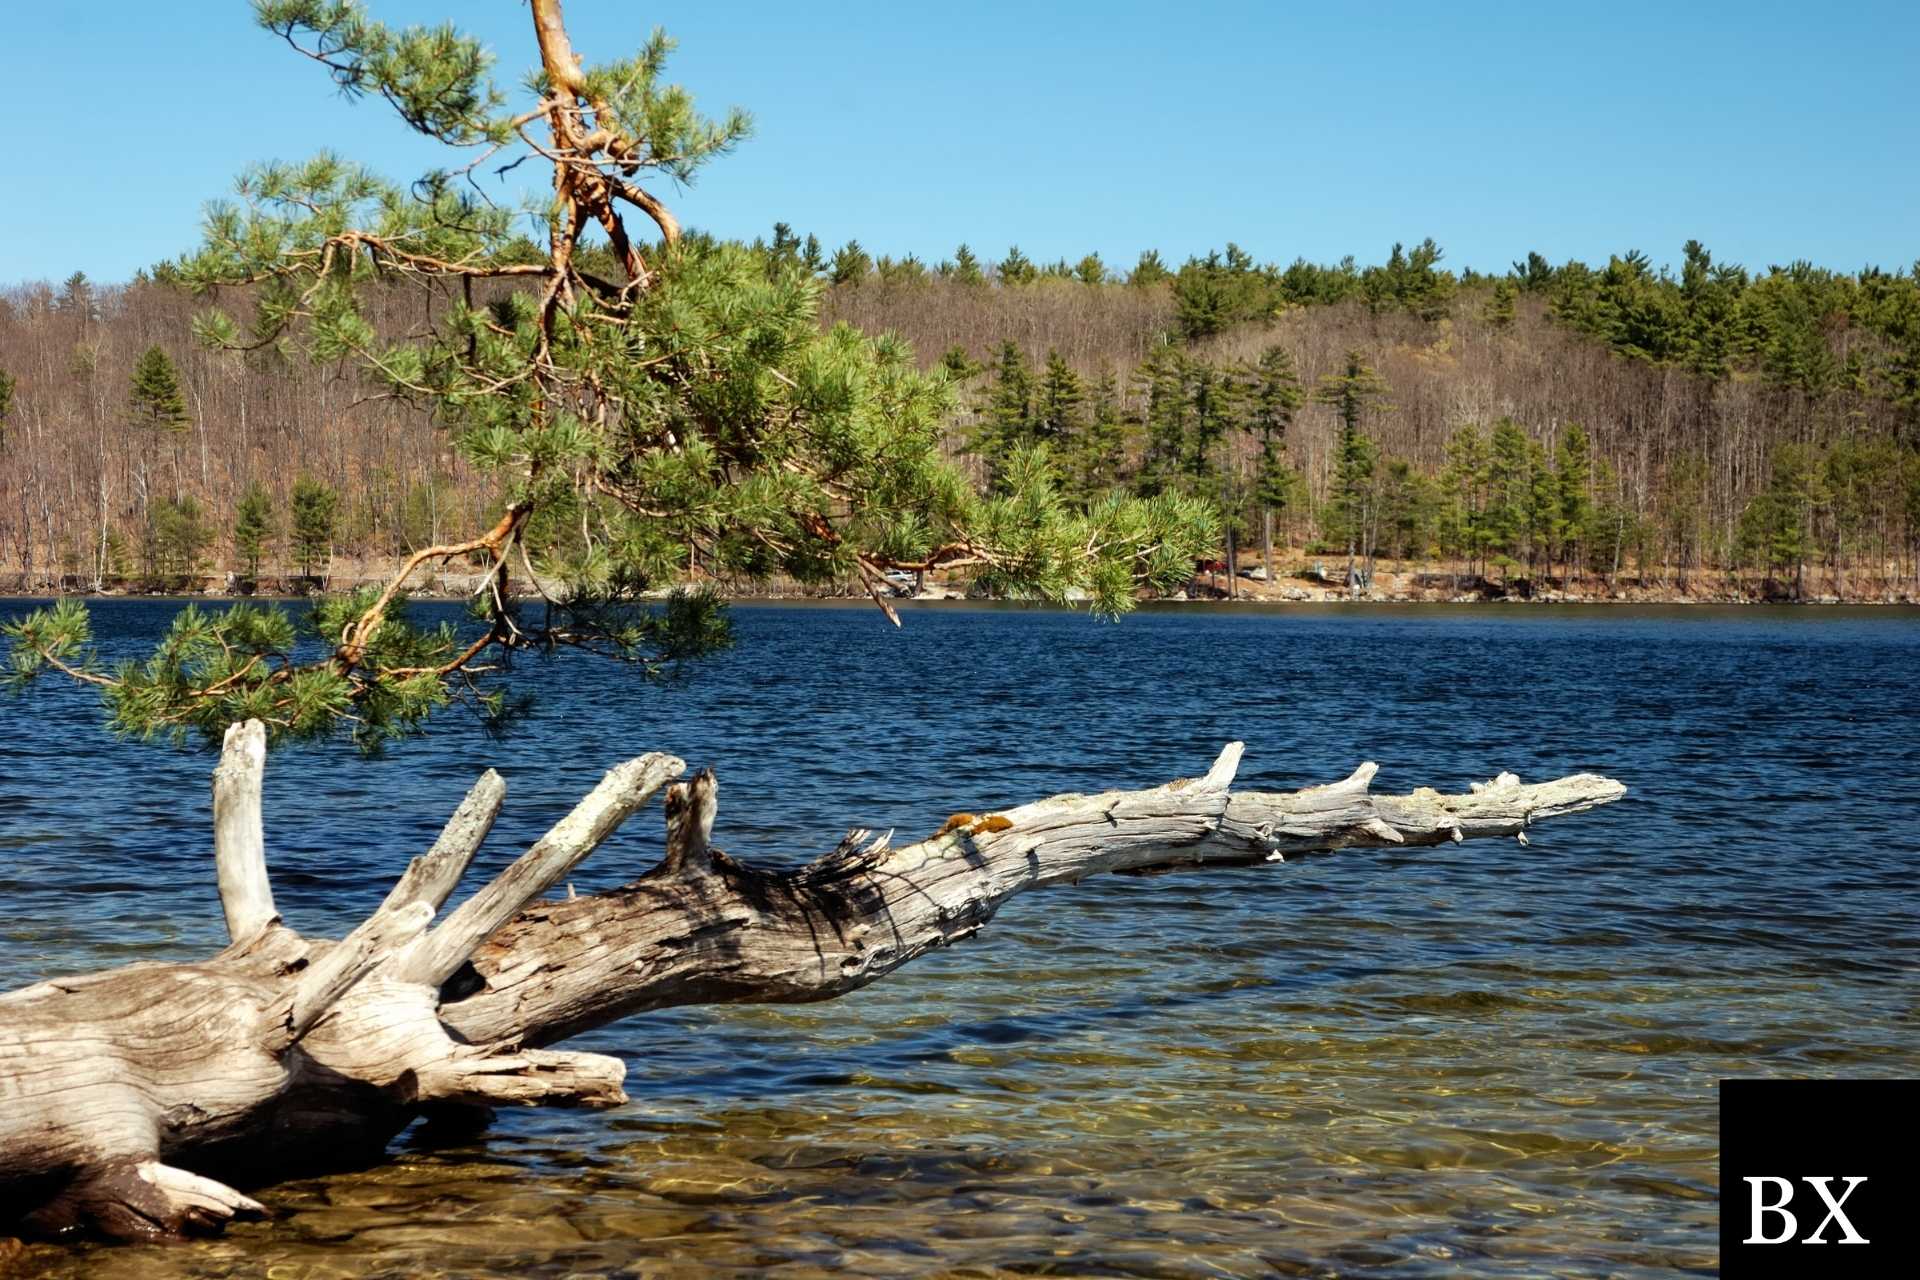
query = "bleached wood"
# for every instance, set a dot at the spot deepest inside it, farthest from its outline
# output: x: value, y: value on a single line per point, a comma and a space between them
x: 530, y: 1077
x: 432, y: 877
x: 333, y: 975
x: 855, y: 915
x: 115, y: 1086
x: 625, y: 788
x: 239, y: 833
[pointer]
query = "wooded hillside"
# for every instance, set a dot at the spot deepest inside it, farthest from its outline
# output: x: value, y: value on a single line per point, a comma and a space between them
x: 1550, y: 422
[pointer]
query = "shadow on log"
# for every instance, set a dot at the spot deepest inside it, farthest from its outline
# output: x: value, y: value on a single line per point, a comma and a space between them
x: 124, y: 1094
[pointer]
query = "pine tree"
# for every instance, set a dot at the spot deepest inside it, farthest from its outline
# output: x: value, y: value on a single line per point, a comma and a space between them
x: 1218, y: 406
x: 1499, y: 310
x: 900, y: 271
x: 1543, y: 508
x: 254, y: 528
x: 966, y: 267
x: 784, y: 253
x: 1709, y: 294
x: 1352, y: 511
x: 1008, y: 424
x: 1204, y: 302
x: 154, y: 394
x: 77, y: 300
x: 1535, y: 274
x: 1573, y: 476
x: 959, y: 366
x: 1164, y: 419
x: 1011, y: 408
x: 1149, y: 271
x: 1899, y: 376
x: 1510, y: 492
x: 1409, y: 510
x: 1090, y: 270
x: 1017, y: 268
x: 1102, y: 457
x: 176, y: 537
x: 1428, y: 292
x: 316, y: 507
x: 1057, y: 412
x: 850, y: 264
x: 1275, y: 394
x: 1282, y: 493
x: 1776, y: 529
x: 1465, y: 483
x: 670, y: 391
x: 114, y: 562
x: 159, y: 409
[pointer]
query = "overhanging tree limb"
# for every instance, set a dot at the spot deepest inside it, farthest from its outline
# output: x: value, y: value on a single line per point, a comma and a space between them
x: 684, y: 398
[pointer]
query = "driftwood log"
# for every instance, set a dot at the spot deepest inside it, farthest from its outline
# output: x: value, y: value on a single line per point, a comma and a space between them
x: 130, y: 1099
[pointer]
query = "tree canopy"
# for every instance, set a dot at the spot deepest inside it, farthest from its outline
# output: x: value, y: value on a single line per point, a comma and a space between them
x: 643, y: 401
x: 153, y: 395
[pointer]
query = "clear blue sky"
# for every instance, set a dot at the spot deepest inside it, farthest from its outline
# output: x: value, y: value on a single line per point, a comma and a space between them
x: 1770, y: 131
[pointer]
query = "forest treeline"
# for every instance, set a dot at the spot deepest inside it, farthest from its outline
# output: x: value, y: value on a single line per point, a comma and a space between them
x: 1550, y: 423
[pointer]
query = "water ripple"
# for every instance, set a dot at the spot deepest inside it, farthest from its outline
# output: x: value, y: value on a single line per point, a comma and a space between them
x: 1480, y: 1060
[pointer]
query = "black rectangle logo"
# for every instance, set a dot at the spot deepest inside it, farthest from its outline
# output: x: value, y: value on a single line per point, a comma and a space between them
x: 1816, y: 1177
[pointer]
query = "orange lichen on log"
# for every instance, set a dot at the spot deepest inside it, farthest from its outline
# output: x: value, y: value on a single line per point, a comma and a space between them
x: 974, y: 824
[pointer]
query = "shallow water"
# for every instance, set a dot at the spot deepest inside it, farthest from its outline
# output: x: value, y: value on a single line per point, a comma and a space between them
x: 1479, y: 1059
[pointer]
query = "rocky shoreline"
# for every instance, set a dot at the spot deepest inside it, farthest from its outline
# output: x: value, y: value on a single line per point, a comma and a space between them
x: 1430, y: 587
x: 1306, y: 587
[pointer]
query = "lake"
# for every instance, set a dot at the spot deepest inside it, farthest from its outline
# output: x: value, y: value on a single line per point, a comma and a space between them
x: 1478, y: 1059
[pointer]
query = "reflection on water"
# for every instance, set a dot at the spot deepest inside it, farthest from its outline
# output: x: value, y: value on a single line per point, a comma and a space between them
x: 1476, y: 1059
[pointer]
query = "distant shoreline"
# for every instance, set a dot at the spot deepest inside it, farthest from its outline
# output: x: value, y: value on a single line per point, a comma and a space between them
x: 1317, y: 580
x: 1261, y: 602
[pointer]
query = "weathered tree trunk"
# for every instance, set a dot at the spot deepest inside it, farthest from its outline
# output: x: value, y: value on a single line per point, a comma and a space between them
x: 114, y: 1085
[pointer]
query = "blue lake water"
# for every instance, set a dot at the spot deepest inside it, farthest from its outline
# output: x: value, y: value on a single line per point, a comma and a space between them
x: 1479, y: 1059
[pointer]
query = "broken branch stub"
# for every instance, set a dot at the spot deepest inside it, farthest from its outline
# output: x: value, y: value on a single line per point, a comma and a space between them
x: 622, y: 792
x: 432, y: 877
x: 239, y: 832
